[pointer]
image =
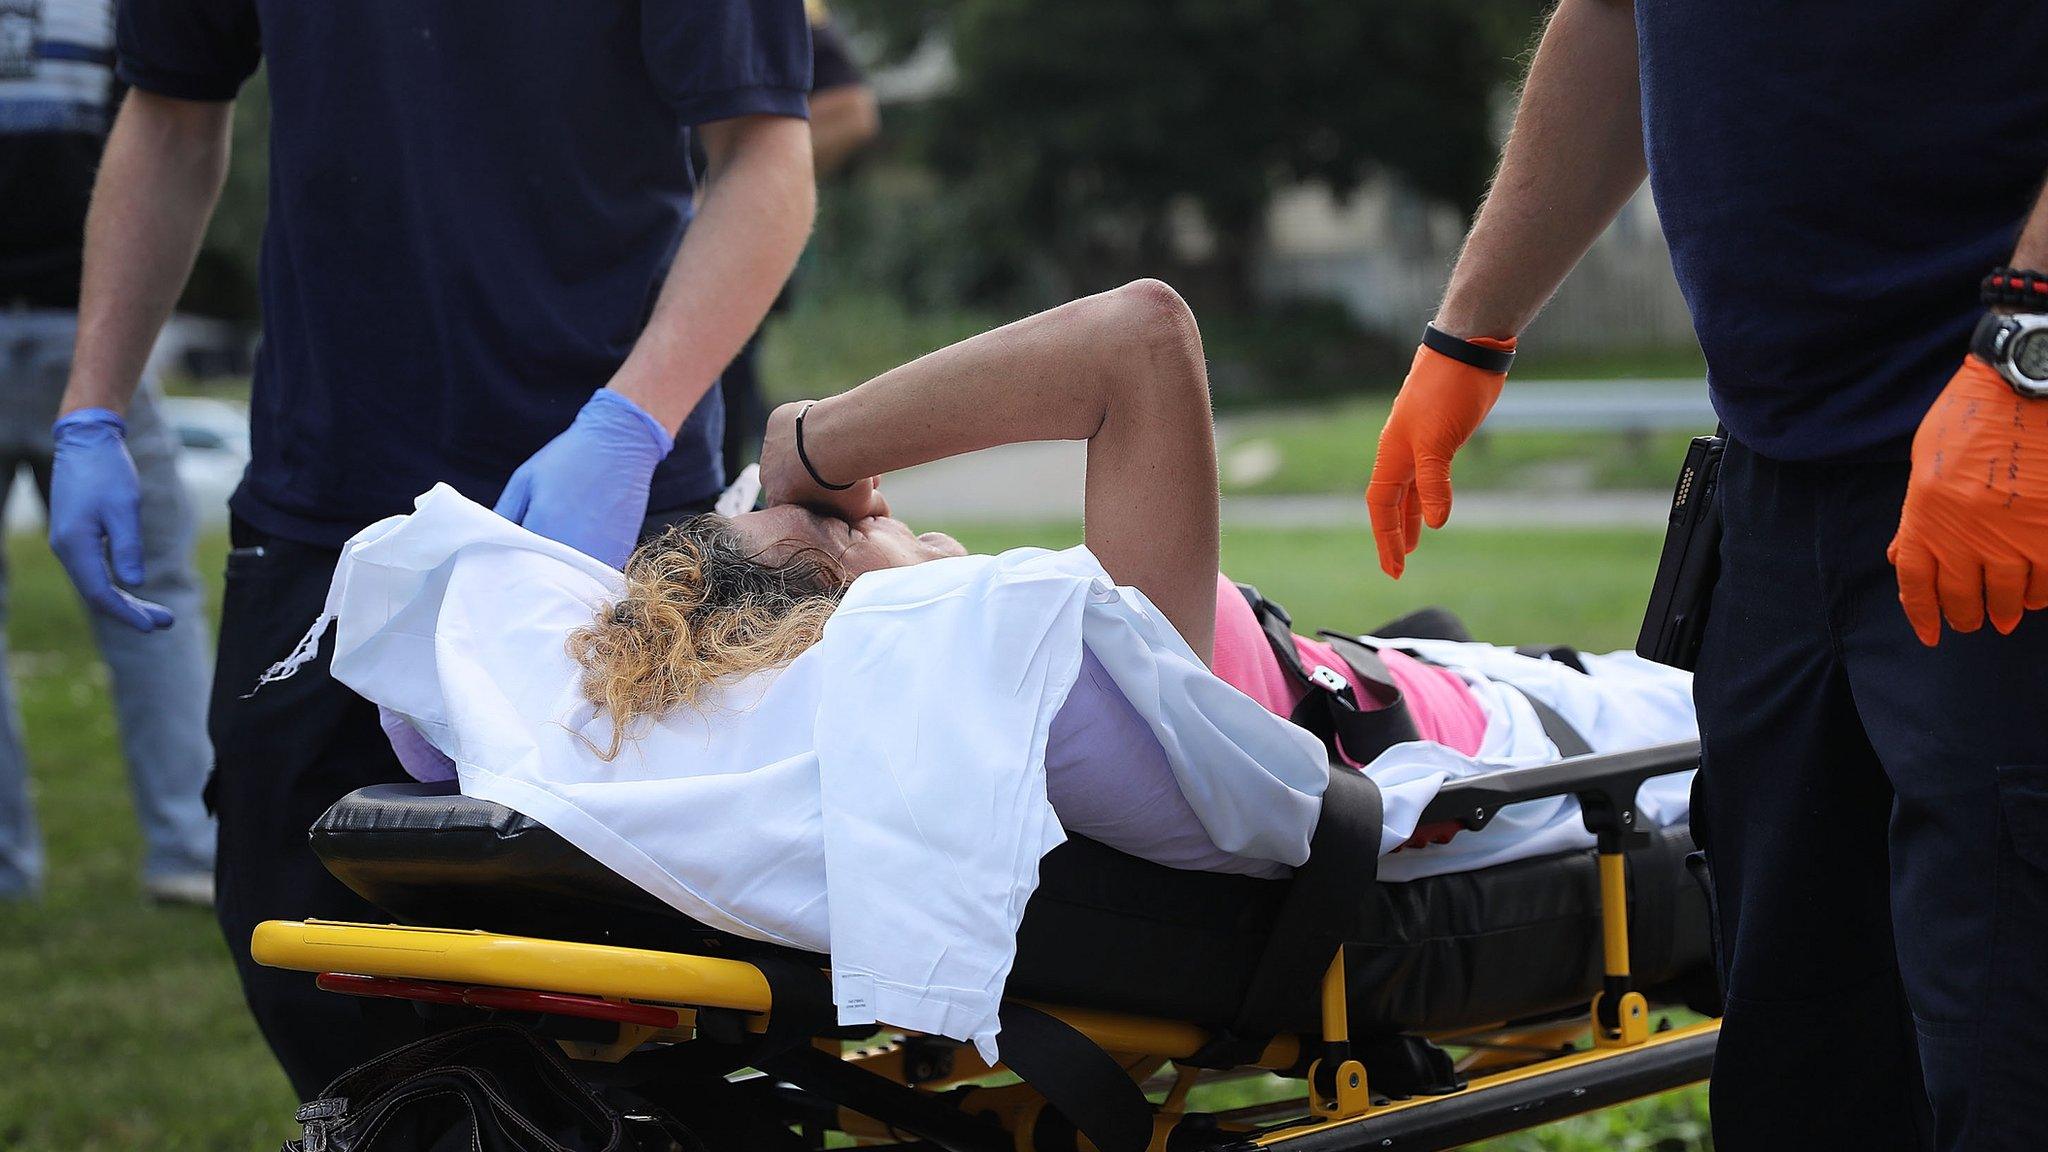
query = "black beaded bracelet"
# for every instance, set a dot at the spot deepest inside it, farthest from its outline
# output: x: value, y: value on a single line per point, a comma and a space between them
x: 1466, y: 352
x: 804, y: 456
x: 2015, y: 288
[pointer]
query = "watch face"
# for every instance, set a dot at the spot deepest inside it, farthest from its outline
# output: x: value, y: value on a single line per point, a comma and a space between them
x: 2030, y: 355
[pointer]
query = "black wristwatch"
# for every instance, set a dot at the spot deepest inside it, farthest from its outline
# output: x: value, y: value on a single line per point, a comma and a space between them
x: 2018, y: 347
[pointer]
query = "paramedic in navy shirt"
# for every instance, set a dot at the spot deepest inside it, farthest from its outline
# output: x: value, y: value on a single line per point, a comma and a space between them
x: 1836, y: 181
x: 475, y: 271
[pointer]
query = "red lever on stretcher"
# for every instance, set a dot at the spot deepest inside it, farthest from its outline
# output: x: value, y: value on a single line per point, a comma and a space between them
x: 504, y: 999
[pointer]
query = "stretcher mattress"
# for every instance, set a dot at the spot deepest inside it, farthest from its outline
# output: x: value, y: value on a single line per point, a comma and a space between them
x: 1104, y: 930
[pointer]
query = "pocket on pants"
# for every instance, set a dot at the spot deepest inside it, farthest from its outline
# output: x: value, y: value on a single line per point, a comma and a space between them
x: 2023, y: 808
x: 2022, y: 882
x: 2007, y: 1072
x: 1703, y: 875
x: 2020, y: 930
x: 248, y: 562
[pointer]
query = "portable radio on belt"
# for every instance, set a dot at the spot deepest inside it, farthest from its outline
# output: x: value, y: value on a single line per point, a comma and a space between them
x: 1691, y: 561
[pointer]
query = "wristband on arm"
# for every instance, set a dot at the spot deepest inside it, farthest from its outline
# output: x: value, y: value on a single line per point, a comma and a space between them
x: 1476, y: 355
x: 805, y: 457
x: 2015, y: 288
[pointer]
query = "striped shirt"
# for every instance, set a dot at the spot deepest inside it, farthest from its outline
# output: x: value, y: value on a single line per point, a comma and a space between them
x: 56, y: 66
x: 57, y: 94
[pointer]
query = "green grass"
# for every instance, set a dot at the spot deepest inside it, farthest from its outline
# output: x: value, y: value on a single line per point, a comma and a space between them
x: 1584, y: 588
x: 122, y: 1025
x: 826, y: 345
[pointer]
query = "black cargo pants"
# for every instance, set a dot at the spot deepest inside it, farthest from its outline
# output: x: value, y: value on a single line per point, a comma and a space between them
x: 1875, y: 816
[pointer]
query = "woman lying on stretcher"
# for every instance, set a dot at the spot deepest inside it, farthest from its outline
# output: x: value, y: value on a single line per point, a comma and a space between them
x: 1123, y: 370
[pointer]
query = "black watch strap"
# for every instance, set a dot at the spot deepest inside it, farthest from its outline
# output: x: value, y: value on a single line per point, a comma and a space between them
x: 1466, y: 352
x: 1984, y: 338
x: 1997, y: 340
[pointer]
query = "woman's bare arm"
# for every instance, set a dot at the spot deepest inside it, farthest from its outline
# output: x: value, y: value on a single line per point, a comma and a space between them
x: 1122, y: 370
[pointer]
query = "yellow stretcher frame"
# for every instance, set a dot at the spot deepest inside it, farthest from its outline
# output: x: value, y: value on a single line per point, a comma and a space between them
x: 1514, y: 1078
x: 1348, y: 1117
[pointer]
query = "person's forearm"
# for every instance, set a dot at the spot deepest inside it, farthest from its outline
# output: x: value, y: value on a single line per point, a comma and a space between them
x: 843, y: 121
x: 2031, y: 253
x: 158, y: 181
x: 1050, y: 376
x: 1122, y: 370
x: 751, y: 225
x: 1574, y: 158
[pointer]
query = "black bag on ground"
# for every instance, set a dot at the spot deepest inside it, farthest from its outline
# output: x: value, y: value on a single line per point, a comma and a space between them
x: 484, y: 1088
x: 1691, y: 561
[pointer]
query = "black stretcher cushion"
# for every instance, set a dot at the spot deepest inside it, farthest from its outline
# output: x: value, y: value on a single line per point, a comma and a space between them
x: 1104, y: 930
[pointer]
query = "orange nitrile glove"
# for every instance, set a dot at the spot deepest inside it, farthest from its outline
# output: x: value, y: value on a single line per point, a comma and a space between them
x: 1973, y: 537
x: 1440, y: 406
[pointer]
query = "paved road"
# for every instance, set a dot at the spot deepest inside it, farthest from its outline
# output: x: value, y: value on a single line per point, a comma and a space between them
x: 1037, y: 483
x: 1604, y: 405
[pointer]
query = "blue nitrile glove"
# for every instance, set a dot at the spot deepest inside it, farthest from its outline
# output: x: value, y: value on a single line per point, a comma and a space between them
x: 588, y: 487
x: 96, y: 510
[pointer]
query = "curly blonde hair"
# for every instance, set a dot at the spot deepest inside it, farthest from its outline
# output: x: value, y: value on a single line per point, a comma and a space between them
x: 699, y: 608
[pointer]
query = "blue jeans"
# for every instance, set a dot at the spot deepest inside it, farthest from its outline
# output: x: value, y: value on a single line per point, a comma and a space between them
x: 159, y: 680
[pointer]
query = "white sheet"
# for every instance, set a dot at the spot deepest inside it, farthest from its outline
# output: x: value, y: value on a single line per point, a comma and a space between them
x: 881, y: 798
x: 1626, y: 702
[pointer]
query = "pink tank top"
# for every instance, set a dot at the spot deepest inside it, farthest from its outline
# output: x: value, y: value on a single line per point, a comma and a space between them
x: 1444, y: 708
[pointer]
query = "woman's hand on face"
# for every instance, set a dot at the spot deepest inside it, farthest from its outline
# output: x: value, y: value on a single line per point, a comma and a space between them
x: 785, y: 479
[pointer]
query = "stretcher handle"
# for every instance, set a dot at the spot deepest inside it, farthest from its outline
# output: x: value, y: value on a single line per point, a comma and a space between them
x: 1605, y: 785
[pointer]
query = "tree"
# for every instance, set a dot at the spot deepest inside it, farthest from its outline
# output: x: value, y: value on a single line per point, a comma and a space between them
x: 223, y: 282
x: 1087, y: 121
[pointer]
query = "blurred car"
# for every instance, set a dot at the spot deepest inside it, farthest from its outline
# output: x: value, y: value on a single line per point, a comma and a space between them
x: 213, y: 442
x: 213, y: 449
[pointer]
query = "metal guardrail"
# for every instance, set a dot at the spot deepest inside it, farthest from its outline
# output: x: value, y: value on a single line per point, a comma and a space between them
x: 1603, y: 405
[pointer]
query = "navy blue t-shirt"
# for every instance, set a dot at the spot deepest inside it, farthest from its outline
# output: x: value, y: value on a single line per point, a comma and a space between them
x: 473, y: 204
x: 1834, y: 178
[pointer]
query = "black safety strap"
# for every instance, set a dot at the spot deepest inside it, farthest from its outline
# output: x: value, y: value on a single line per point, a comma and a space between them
x: 1320, y: 913
x: 719, y: 1112
x: 1430, y: 623
x: 800, y: 998
x: 689, y: 1079
x: 1362, y: 736
x: 1652, y: 924
x: 1329, y: 705
x: 1563, y: 654
x: 1082, y: 1082
x: 1567, y: 738
x: 1569, y: 742
x: 1278, y: 626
